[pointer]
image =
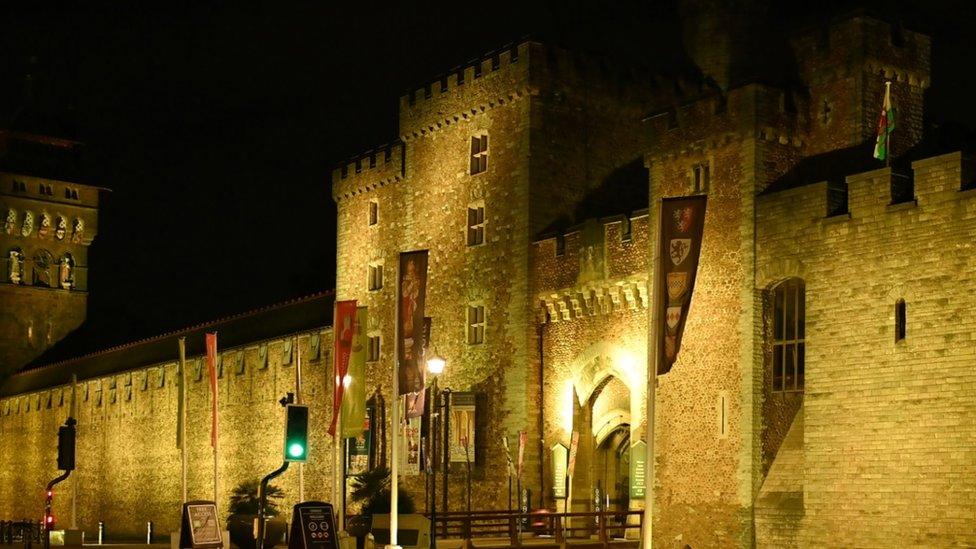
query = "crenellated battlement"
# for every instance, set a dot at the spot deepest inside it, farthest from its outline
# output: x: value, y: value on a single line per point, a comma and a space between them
x: 711, y: 120
x: 369, y: 170
x: 596, y: 252
x: 932, y: 185
x: 494, y: 79
x: 515, y: 71
x: 861, y: 42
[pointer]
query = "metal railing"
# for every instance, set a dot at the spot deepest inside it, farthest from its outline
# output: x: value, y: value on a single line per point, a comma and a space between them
x: 23, y: 531
x: 597, y: 528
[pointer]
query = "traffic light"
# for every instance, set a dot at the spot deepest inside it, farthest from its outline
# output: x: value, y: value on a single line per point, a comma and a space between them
x: 296, y: 433
x: 66, y: 446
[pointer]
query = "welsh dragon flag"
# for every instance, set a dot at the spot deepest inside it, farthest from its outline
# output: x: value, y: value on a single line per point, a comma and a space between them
x: 886, y: 125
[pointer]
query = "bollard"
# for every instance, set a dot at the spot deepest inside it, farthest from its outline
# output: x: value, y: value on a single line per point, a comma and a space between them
x: 149, y: 532
x: 101, y: 531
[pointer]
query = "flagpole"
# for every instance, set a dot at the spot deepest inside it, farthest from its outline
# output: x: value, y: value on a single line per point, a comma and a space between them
x: 74, y: 481
x: 216, y: 428
x: 182, y: 419
x: 647, y: 541
x: 395, y: 451
x: 888, y: 134
x: 298, y: 399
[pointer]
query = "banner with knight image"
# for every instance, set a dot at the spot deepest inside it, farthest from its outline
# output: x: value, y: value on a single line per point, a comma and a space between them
x: 462, y: 424
x: 411, y: 298
x: 410, y: 447
x: 682, y: 224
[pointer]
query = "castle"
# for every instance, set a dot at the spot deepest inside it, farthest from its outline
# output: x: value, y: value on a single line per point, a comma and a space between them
x: 822, y: 393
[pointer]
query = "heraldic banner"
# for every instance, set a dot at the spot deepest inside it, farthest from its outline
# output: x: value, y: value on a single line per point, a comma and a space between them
x: 412, y: 290
x: 345, y: 331
x: 682, y: 224
x: 353, y: 405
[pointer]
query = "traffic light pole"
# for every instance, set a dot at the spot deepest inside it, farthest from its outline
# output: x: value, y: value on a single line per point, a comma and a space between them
x: 66, y: 462
x: 263, y: 500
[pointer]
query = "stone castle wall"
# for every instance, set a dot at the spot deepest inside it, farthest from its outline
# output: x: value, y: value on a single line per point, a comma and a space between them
x: 128, y: 465
x: 523, y: 98
x: 888, y: 426
x: 594, y: 339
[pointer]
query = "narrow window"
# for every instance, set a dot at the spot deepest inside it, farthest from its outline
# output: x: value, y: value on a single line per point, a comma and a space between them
x: 373, y: 349
x: 476, y: 324
x: 788, y: 336
x: 476, y: 224
x: 375, y: 276
x: 479, y: 154
x: 701, y: 176
x: 900, y: 320
x: 374, y: 212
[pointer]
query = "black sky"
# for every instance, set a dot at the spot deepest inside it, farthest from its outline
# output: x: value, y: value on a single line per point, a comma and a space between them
x: 216, y: 125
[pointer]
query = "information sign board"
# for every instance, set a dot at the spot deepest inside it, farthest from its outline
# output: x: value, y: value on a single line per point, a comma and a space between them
x: 638, y: 462
x: 200, y: 528
x: 313, y: 526
x: 559, y: 456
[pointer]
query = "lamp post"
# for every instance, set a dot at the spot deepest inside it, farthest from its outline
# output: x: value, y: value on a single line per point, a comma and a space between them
x: 435, y: 367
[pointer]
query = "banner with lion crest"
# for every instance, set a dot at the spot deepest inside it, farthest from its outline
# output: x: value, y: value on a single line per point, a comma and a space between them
x: 682, y: 224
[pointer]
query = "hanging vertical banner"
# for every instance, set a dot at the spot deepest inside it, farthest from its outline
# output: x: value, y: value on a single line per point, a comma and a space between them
x: 416, y: 402
x: 412, y: 290
x: 353, y: 405
x: 559, y: 453
x: 462, y: 426
x: 358, y: 448
x: 682, y: 224
x: 211, y: 339
x: 344, y: 331
x: 521, y: 452
x: 410, y: 447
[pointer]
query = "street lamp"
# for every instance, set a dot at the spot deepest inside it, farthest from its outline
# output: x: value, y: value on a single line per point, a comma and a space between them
x: 435, y: 367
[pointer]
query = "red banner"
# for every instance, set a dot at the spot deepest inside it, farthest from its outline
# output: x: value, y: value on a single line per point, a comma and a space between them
x: 411, y: 298
x: 682, y: 224
x: 211, y: 340
x: 521, y: 452
x: 344, y: 322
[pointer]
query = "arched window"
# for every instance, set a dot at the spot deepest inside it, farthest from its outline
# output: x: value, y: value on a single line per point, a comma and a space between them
x: 789, y: 332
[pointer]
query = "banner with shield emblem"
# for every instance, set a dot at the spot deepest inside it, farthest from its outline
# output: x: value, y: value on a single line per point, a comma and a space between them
x: 682, y: 224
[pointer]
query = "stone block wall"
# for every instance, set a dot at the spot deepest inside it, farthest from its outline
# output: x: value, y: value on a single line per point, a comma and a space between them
x: 42, y: 218
x: 128, y: 465
x: 523, y: 98
x: 888, y: 425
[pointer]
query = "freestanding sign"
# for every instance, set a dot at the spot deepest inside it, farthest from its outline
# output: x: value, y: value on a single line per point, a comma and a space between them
x: 200, y: 528
x: 313, y: 526
x: 559, y: 457
x: 638, y: 472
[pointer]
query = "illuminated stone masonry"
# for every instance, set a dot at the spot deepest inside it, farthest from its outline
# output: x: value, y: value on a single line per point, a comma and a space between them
x: 128, y: 465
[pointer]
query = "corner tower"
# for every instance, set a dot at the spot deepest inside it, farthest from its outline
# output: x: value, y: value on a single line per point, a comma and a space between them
x: 48, y: 223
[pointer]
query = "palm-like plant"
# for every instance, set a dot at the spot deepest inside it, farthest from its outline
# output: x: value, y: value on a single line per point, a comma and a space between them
x: 372, y: 490
x: 244, y: 499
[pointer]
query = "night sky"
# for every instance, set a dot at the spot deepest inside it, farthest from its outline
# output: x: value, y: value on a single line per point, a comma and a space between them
x: 216, y: 126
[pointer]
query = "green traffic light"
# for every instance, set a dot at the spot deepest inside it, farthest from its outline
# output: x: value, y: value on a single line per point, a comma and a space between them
x: 296, y: 450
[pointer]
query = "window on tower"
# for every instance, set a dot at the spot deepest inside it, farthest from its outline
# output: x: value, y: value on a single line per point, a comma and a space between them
x: 479, y: 154
x: 373, y: 348
x: 789, y: 334
x: 701, y: 177
x: 375, y: 276
x: 476, y: 323
x: 374, y: 212
x: 476, y: 224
